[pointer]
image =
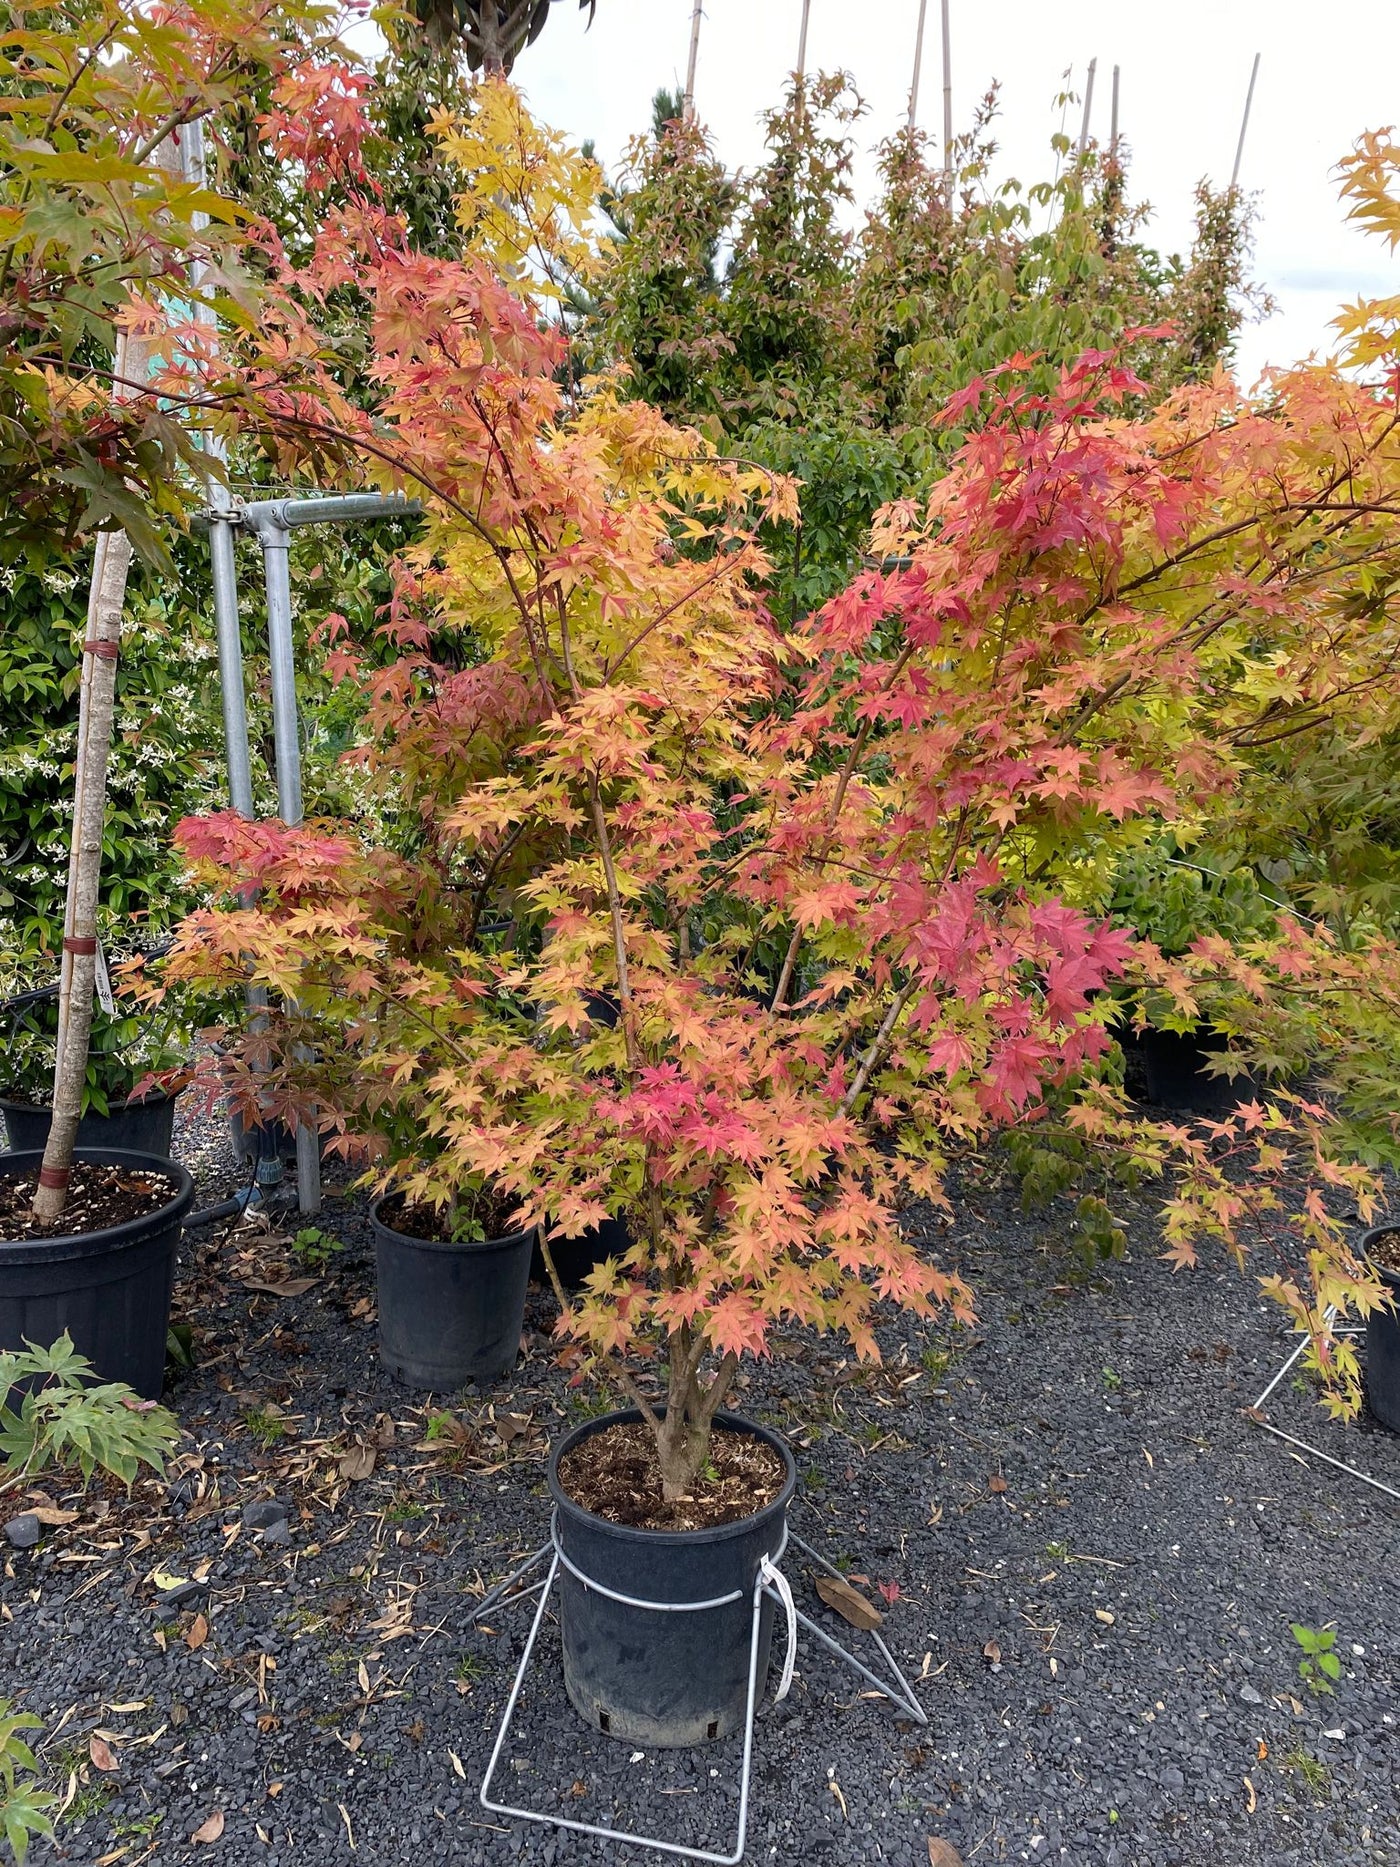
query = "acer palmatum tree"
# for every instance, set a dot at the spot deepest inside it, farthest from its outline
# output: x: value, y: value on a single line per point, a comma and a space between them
x: 97, y: 229
x: 830, y: 875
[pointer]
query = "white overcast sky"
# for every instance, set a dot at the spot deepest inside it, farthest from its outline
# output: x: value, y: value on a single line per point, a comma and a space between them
x: 1327, y: 73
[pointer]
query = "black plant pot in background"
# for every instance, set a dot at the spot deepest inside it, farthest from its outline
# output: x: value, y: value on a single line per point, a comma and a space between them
x: 1177, y: 1077
x: 449, y: 1313
x: 574, y: 1258
x: 142, y: 1127
x: 656, y: 1678
x: 110, y: 1290
x: 1383, y: 1342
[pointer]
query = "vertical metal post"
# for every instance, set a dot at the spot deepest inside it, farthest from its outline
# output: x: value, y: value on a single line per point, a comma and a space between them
x: 1113, y: 119
x: 276, y: 540
x: 918, y: 64
x: 1239, y: 147
x: 221, y: 529
x: 286, y: 733
x: 1088, y: 111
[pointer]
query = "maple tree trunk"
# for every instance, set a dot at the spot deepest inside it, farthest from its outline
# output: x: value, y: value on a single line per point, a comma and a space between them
x: 111, y: 564
x: 683, y: 1433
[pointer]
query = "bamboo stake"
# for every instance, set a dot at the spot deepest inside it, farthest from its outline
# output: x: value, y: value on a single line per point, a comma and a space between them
x: 918, y: 64
x: 1088, y: 109
x: 947, y: 103
x: 802, y: 41
x: 690, y: 68
x: 1239, y: 147
x: 1113, y: 119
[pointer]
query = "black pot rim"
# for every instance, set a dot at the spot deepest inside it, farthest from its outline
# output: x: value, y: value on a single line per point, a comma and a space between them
x: 509, y: 1241
x: 110, y: 1237
x: 1383, y: 1271
x: 669, y: 1539
x: 153, y: 1100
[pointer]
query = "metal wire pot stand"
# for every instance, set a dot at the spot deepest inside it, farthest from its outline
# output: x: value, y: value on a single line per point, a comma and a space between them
x: 1261, y: 1419
x: 770, y: 1582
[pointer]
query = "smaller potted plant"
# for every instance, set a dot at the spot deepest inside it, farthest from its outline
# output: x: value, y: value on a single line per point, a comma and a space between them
x: 1173, y: 902
x: 137, y: 1065
x: 451, y: 1275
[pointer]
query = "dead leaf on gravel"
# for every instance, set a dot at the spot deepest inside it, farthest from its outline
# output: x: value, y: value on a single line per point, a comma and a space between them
x: 50, y: 1514
x: 996, y: 1484
x: 992, y: 1653
x: 101, y: 1752
x: 943, y: 1853
x: 358, y: 1463
x: 384, y: 1432
x: 210, y: 1830
x: 292, y: 1287
x: 457, y: 1765
x: 848, y: 1602
x: 1253, y: 1801
x: 511, y: 1426
x: 196, y: 1633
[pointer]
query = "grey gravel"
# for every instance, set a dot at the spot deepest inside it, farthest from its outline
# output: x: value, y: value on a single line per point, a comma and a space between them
x: 264, y: 1514
x: 1113, y: 1406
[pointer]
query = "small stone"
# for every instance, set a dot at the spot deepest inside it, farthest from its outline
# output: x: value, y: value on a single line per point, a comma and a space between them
x: 23, y: 1531
x: 263, y: 1513
x: 279, y: 1532
x: 1250, y: 1696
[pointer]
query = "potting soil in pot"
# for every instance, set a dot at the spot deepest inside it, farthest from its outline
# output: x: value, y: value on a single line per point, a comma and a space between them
x: 1384, y: 1251
x: 617, y: 1476
x: 98, y: 1197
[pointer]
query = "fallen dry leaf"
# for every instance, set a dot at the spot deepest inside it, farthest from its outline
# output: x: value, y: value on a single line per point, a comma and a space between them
x: 511, y: 1426
x: 101, y: 1752
x: 358, y: 1463
x: 209, y: 1831
x: 848, y: 1602
x: 457, y: 1765
x: 996, y: 1485
x: 1262, y: 1751
x: 943, y: 1853
x: 1252, y: 1801
x: 50, y: 1514
x: 196, y: 1633
x: 992, y: 1653
x: 291, y: 1287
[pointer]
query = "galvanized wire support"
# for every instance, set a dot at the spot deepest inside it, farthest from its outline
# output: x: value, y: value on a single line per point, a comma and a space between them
x: 1261, y: 1419
x: 770, y: 1582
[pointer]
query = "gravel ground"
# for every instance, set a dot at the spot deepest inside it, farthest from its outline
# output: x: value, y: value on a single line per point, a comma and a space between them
x: 1097, y: 1554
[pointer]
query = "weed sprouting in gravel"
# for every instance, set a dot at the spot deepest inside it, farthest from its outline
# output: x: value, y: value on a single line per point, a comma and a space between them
x: 1320, y: 1666
x: 266, y: 1427
x: 1310, y: 1770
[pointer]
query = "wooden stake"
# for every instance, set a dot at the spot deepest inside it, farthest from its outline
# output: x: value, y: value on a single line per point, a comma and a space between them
x: 690, y: 68
x: 1239, y: 147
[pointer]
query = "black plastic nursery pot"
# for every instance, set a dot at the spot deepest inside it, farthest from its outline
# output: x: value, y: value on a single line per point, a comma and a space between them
x: 449, y: 1313
x: 648, y: 1676
x: 574, y: 1258
x: 145, y: 1127
x: 110, y: 1290
x: 1383, y: 1341
x: 1175, y: 1064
